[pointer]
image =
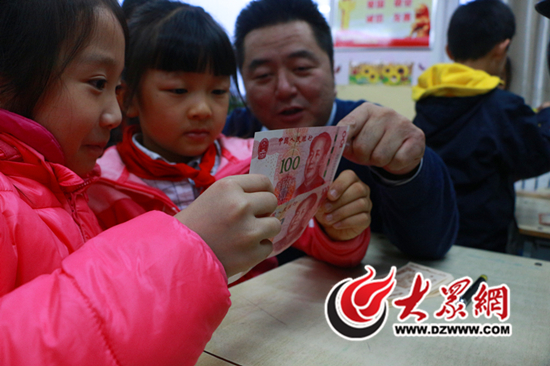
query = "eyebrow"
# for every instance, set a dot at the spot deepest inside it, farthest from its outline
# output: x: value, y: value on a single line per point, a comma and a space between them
x: 294, y: 55
x: 98, y: 59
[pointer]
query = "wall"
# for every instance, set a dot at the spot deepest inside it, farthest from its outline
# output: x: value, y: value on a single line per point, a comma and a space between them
x: 396, y: 97
x: 528, y: 53
x: 530, y: 74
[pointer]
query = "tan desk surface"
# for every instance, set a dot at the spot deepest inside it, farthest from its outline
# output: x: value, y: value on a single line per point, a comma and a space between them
x: 278, y: 318
x: 208, y: 359
x: 529, y: 207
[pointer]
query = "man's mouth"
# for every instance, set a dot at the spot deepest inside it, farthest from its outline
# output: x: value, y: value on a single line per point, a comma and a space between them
x: 291, y: 111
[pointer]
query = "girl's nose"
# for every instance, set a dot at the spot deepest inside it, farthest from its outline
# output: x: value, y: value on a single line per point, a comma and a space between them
x: 112, y: 115
x: 200, y: 109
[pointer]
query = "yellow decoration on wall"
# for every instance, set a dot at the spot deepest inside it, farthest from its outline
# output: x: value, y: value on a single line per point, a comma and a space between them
x: 347, y: 7
x: 389, y: 74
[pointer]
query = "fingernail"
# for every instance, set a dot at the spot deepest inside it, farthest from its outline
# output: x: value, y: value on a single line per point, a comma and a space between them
x: 328, y: 206
x: 328, y: 218
x: 333, y: 193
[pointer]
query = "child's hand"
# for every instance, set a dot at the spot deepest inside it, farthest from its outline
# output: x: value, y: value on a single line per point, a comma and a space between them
x: 346, y: 211
x: 233, y: 218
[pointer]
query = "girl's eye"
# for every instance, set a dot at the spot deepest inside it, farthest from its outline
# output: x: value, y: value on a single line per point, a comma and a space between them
x: 179, y: 91
x: 99, y: 84
x: 219, y: 91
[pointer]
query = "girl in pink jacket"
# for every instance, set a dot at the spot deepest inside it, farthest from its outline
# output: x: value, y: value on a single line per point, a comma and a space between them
x: 148, y: 292
x: 177, y: 79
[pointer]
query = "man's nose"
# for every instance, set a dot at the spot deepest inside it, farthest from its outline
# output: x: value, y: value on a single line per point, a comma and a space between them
x: 285, y: 85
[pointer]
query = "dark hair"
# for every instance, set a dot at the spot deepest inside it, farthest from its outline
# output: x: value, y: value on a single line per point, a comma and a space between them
x: 172, y: 36
x: 129, y: 6
x: 38, y: 40
x: 477, y: 27
x: 264, y: 13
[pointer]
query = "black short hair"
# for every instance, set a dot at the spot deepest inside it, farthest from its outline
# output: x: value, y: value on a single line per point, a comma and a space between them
x: 477, y: 27
x: 38, y: 39
x: 264, y: 13
x: 129, y: 6
x: 173, y: 36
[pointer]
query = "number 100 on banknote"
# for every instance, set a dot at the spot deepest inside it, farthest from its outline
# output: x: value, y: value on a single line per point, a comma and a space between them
x: 301, y: 164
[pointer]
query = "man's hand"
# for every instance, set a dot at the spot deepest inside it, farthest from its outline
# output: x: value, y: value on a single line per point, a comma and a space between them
x: 233, y: 218
x: 346, y: 212
x: 381, y: 137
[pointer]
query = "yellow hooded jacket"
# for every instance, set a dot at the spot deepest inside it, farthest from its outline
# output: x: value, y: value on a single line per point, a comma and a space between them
x: 453, y: 80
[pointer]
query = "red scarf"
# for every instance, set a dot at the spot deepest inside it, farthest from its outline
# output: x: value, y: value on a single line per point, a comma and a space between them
x: 143, y: 166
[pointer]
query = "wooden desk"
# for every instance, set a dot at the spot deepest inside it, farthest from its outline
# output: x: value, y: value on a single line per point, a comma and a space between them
x: 278, y: 318
x: 208, y: 359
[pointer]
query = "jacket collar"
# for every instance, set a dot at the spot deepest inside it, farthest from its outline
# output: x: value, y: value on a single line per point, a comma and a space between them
x: 453, y: 80
x: 33, y: 134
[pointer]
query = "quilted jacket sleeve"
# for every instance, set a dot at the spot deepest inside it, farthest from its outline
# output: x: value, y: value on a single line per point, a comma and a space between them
x: 147, y: 292
x: 317, y: 244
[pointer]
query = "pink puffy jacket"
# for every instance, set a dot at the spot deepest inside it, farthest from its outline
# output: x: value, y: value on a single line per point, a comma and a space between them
x: 147, y: 292
x: 120, y: 195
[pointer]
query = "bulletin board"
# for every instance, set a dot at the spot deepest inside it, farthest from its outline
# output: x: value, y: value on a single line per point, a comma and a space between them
x: 382, y: 23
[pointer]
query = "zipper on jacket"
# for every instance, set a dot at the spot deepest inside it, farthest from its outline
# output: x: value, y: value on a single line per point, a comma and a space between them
x: 72, y: 204
x: 72, y: 198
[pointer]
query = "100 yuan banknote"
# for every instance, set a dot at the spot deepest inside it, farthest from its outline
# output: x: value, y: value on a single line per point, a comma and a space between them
x: 301, y: 164
x: 298, y: 160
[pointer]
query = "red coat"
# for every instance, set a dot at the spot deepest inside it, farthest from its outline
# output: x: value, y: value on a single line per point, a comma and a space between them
x: 146, y: 292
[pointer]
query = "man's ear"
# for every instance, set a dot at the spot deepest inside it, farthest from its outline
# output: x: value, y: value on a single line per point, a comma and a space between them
x: 449, y: 52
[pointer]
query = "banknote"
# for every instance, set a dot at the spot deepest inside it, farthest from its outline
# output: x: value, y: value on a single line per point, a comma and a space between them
x: 301, y: 164
x: 405, y: 276
x: 295, y: 215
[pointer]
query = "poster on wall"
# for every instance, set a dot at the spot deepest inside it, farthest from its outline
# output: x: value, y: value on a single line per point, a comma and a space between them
x: 382, y: 23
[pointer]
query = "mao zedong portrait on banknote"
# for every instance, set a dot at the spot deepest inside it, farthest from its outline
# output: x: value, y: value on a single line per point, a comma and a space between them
x: 304, y: 212
x: 316, y: 160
